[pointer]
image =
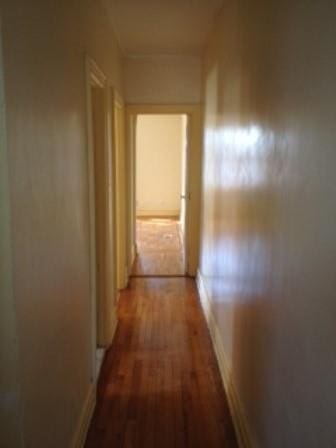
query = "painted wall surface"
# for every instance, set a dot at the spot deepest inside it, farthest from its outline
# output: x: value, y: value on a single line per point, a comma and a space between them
x: 10, y: 411
x: 162, y: 79
x: 44, y: 46
x: 268, y: 240
x: 159, y: 140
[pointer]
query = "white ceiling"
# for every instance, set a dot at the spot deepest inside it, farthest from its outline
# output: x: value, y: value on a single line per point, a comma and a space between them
x: 146, y: 27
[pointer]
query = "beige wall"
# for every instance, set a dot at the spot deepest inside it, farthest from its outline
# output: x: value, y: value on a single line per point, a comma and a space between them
x: 10, y: 411
x: 268, y: 241
x: 162, y: 79
x: 44, y: 45
x: 159, y: 142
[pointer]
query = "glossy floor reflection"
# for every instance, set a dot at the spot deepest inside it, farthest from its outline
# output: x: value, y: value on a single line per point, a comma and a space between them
x: 160, y: 385
x: 160, y: 248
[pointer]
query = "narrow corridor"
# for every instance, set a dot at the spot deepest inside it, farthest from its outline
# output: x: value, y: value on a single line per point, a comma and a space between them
x: 160, y: 385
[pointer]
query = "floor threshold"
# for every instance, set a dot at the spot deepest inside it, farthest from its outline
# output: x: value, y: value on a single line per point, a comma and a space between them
x: 160, y: 276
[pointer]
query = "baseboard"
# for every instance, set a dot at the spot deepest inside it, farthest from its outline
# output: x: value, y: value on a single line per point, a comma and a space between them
x: 100, y: 354
x: 85, y: 418
x: 115, y: 323
x: 238, y: 416
x: 158, y: 213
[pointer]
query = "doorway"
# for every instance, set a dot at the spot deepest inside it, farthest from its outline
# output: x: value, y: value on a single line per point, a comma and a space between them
x: 160, y: 193
x: 101, y: 214
x: 190, y: 184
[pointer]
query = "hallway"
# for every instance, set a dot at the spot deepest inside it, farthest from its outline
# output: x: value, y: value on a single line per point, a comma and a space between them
x: 221, y: 114
x: 160, y: 248
x: 160, y: 385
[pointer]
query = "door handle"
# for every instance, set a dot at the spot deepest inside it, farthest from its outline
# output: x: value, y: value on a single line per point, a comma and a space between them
x: 182, y: 196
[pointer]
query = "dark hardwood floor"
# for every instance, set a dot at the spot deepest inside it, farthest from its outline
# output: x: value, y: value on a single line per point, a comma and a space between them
x: 160, y: 385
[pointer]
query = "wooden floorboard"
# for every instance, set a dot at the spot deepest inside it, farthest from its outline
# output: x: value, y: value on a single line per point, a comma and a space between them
x: 160, y: 247
x: 160, y: 385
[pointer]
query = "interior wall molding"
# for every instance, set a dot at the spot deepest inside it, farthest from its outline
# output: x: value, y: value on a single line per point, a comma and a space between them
x: 85, y: 418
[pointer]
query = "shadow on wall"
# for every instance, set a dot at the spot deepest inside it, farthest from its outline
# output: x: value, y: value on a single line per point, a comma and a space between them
x: 269, y: 245
x: 248, y: 168
x: 244, y: 223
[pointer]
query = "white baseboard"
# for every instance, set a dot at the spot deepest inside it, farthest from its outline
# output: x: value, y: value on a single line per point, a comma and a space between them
x: 85, y: 418
x: 157, y: 213
x: 238, y: 416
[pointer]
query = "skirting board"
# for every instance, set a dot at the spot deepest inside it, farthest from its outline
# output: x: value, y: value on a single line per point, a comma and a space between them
x: 239, y: 420
x: 158, y: 213
x: 85, y: 418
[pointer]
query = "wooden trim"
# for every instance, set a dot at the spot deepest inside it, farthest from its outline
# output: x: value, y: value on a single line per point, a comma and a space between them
x: 103, y: 330
x: 97, y: 77
x: 120, y: 170
x: 143, y: 214
x: 173, y: 216
x: 89, y: 64
x: 244, y: 436
x: 130, y: 133
x: 147, y: 109
x: 118, y: 99
x: 85, y: 417
x: 159, y: 276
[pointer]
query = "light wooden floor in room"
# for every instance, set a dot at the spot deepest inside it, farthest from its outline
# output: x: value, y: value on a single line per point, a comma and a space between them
x: 160, y: 248
x: 160, y: 385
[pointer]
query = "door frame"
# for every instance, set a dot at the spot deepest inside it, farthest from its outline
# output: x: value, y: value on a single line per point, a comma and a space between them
x: 193, y: 175
x: 119, y: 142
x: 95, y: 77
